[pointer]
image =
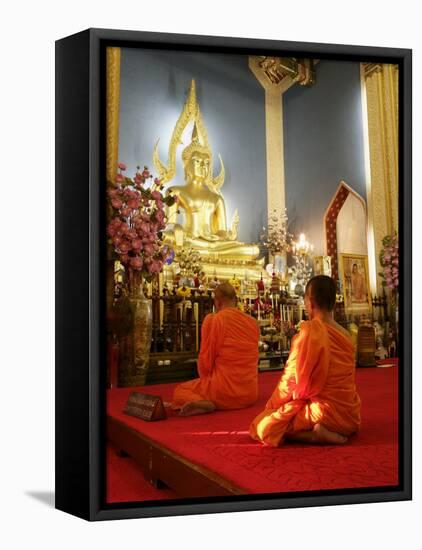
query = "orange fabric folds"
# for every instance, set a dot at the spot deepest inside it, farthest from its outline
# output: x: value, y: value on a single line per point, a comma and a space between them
x: 317, y: 386
x: 227, y: 362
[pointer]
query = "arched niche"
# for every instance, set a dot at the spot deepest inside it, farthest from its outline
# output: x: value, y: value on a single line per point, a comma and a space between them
x: 345, y: 226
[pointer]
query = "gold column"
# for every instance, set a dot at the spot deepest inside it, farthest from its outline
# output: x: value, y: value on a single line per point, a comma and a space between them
x: 112, y: 111
x: 275, y: 151
x: 112, y: 143
x: 380, y: 101
x: 277, y: 75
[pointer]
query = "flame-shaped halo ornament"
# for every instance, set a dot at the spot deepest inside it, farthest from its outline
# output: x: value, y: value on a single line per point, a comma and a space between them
x: 190, y: 113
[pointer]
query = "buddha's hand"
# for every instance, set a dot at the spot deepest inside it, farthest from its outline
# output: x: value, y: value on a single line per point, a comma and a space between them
x: 210, y: 237
x: 223, y: 235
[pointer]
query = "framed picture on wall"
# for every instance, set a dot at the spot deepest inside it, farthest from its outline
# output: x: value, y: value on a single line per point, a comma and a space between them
x: 355, y: 283
x: 322, y: 265
x: 195, y: 182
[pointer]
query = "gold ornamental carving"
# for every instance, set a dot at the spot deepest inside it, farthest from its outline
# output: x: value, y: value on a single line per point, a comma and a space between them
x: 370, y: 68
x: 277, y: 69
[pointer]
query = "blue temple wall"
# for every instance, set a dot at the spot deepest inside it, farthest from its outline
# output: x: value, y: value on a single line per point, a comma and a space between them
x: 323, y: 134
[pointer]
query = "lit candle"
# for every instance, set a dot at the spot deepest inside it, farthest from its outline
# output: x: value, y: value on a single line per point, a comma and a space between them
x: 161, y: 313
x: 196, y: 316
x: 160, y: 284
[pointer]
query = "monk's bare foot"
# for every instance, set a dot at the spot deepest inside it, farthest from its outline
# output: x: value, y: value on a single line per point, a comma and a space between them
x: 322, y: 435
x: 197, y: 407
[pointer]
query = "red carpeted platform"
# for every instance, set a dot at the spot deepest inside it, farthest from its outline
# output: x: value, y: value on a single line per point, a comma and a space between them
x: 220, y: 442
x: 126, y: 481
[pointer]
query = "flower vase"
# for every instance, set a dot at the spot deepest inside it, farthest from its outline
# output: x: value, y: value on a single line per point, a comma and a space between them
x: 141, y: 333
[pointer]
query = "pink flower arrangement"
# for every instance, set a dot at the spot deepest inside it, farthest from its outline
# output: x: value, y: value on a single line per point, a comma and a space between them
x: 389, y: 260
x: 138, y: 220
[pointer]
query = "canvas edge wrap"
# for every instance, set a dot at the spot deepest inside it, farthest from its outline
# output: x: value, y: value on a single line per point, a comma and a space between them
x: 80, y: 474
x: 405, y: 228
x: 72, y: 383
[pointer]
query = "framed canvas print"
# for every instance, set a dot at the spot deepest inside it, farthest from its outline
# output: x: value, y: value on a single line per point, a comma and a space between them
x: 231, y: 249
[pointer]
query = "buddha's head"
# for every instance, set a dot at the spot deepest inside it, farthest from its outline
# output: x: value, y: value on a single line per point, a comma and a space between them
x: 196, y: 160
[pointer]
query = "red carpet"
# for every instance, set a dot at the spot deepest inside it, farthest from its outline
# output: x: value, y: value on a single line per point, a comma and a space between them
x: 220, y: 442
x: 126, y: 482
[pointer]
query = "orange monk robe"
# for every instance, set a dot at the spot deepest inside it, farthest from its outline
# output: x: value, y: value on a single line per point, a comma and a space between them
x: 317, y: 386
x: 227, y: 362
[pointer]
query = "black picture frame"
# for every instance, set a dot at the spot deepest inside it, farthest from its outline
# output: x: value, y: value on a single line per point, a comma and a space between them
x: 80, y: 385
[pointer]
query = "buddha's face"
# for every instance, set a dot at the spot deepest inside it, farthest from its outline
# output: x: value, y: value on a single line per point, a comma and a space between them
x: 199, y: 166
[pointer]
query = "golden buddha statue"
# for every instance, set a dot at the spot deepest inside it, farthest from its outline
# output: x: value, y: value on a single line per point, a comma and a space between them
x: 200, y: 199
x: 205, y: 226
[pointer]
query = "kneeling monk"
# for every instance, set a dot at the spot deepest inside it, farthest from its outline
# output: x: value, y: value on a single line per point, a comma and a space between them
x: 227, y: 362
x: 315, y: 400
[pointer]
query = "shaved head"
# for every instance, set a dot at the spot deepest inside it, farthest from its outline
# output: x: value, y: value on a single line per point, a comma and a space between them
x: 322, y: 289
x: 225, y: 294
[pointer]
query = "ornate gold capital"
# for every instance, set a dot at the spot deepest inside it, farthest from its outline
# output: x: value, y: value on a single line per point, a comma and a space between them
x: 370, y: 68
x: 279, y: 73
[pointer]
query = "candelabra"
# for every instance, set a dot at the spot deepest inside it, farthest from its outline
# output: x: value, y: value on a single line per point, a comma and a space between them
x: 301, y: 271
